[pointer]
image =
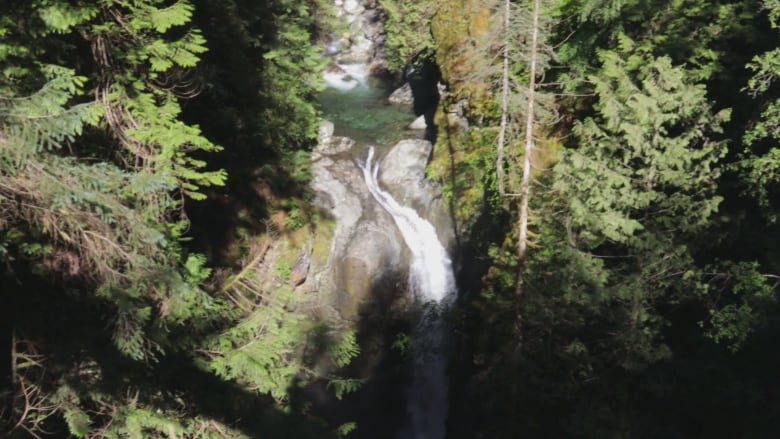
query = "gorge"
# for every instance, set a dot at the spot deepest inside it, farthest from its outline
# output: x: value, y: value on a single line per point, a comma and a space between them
x: 358, y: 106
x: 432, y: 283
x: 240, y: 219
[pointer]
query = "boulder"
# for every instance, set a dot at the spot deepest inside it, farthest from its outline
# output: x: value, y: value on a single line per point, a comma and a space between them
x: 367, y: 254
x: 418, y: 124
x: 325, y: 132
x: 402, y: 95
x: 368, y: 258
x: 402, y: 173
x: 360, y: 51
x: 335, y: 69
x: 352, y: 7
x: 404, y: 165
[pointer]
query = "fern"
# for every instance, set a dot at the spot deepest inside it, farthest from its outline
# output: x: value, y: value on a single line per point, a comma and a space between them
x: 60, y: 17
x: 77, y: 419
x: 346, y: 429
x: 41, y: 122
x: 346, y: 350
x: 114, y: 218
x: 177, y: 14
x: 344, y: 386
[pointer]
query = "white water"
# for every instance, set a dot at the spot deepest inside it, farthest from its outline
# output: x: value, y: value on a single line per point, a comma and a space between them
x: 432, y: 283
x: 348, y: 77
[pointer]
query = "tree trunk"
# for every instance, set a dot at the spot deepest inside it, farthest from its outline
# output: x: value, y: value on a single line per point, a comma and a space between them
x: 525, y: 185
x: 504, y: 104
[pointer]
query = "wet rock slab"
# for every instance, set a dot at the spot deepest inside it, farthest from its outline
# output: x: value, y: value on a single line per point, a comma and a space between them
x: 368, y: 257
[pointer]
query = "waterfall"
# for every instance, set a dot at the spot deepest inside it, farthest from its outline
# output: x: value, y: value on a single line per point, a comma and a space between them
x: 346, y: 76
x: 432, y: 282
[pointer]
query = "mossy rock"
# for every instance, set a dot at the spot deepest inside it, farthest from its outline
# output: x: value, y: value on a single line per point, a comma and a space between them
x: 456, y: 26
x: 357, y: 285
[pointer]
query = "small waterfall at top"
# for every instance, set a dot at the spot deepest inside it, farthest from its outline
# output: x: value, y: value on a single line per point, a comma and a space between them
x: 357, y: 104
x: 350, y: 55
x: 357, y: 81
x: 432, y: 282
x: 346, y: 76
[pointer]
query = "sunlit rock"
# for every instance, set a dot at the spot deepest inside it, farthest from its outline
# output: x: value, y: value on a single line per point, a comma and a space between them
x: 402, y: 95
x: 403, y: 174
x: 364, y: 42
x: 418, y: 124
x: 367, y: 254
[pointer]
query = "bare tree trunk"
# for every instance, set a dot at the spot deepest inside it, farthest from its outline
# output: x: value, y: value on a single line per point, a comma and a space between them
x: 504, y: 104
x: 525, y: 184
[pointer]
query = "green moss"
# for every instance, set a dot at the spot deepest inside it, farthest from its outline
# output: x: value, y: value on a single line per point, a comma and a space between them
x: 407, y: 27
x: 465, y: 153
x: 456, y: 27
x: 464, y: 158
x: 465, y: 164
x: 357, y: 283
x: 322, y: 237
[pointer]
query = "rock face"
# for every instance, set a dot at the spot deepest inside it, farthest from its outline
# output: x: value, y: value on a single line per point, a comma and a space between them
x: 403, y: 175
x: 368, y: 256
x: 366, y: 251
x: 364, y: 42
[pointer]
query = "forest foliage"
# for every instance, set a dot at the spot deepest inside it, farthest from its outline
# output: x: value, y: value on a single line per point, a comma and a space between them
x: 647, y: 298
x: 116, y: 118
x: 153, y: 154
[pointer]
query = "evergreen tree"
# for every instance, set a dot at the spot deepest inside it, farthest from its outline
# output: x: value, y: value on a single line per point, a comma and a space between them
x: 258, y: 84
x: 638, y: 264
x: 95, y: 161
x: 639, y: 189
x: 695, y: 32
x: 408, y: 30
x: 761, y: 163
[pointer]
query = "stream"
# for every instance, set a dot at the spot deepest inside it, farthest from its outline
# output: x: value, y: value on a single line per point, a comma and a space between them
x: 357, y: 104
x: 432, y: 283
x: 358, y: 107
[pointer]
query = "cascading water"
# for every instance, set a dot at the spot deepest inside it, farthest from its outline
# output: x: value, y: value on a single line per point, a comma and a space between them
x: 346, y: 76
x: 432, y: 283
x: 353, y: 100
x: 357, y: 104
